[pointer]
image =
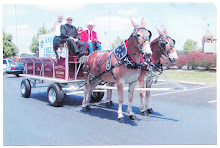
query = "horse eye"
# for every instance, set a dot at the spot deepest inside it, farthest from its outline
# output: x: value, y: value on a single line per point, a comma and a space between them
x: 138, y: 35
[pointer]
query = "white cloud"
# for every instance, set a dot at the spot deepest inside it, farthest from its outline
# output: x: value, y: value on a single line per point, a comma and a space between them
x: 9, y: 10
x: 117, y: 23
x: 128, y: 11
x: 119, y: 27
x: 61, y: 7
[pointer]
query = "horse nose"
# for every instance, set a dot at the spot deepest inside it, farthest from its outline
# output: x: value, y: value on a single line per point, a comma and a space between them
x: 147, y: 49
x: 147, y: 55
x: 174, y: 60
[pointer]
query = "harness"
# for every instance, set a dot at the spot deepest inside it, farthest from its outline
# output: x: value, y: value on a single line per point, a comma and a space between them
x: 158, y: 67
x: 123, y: 56
x: 163, y: 44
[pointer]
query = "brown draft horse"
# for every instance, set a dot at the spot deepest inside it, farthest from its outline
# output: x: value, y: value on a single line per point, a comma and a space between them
x: 163, y: 45
x: 95, y: 69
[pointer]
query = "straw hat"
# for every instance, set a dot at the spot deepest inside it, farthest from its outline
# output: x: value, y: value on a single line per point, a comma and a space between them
x: 90, y: 23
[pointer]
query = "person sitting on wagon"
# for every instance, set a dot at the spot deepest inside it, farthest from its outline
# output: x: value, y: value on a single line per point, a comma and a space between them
x: 90, y: 37
x: 56, y: 30
x: 79, y: 31
x: 69, y: 34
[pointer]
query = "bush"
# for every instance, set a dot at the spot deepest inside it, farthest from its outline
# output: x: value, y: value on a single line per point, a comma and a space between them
x: 193, y: 59
x: 208, y: 61
x: 197, y: 59
x: 181, y: 61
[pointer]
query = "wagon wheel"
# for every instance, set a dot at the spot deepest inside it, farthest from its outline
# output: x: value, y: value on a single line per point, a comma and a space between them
x: 55, y: 95
x: 25, y: 88
x: 97, y: 96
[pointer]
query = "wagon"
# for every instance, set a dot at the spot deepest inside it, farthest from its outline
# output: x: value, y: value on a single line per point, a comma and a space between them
x: 65, y: 76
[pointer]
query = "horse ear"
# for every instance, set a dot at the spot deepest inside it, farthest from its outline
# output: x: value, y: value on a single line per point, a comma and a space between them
x: 165, y: 31
x: 143, y: 23
x: 161, y: 33
x: 133, y: 23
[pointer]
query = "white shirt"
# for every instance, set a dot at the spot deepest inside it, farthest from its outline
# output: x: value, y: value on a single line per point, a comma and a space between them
x: 57, y: 29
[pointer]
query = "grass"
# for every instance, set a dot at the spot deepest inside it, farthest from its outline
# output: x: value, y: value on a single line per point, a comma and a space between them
x: 206, y: 77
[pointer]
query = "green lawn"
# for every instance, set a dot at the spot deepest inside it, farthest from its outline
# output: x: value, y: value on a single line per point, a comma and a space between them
x: 208, y: 78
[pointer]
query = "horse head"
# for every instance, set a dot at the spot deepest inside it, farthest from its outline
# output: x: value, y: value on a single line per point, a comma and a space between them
x: 167, y: 45
x: 142, y: 37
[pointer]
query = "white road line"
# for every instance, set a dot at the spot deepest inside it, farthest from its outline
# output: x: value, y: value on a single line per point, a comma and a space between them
x: 160, y: 83
x: 213, y: 101
x: 181, y: 91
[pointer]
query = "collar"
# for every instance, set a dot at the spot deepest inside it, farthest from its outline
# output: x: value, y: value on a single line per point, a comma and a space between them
x: 142, y: 59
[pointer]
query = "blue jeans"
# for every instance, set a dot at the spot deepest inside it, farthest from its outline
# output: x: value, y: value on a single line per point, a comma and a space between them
x: 98, y: 45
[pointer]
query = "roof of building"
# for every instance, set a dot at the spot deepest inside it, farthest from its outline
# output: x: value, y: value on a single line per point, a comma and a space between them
x: 208, y: 35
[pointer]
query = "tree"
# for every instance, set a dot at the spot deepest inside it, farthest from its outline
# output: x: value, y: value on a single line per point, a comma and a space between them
x: 190, y: 46
x: 9, y: 48
x: 34, y: 47
x: 116, y: 43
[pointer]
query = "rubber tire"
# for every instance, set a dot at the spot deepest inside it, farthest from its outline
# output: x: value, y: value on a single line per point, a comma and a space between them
x: 27, y: 88
x: 97, y: 96
x: 59, y: 95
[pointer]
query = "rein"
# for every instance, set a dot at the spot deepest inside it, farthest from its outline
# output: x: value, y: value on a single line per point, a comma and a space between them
x: 142, y: 59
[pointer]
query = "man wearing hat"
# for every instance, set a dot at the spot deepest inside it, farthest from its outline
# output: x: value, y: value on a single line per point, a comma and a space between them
x: 90, y: 37
x: 69, y: 34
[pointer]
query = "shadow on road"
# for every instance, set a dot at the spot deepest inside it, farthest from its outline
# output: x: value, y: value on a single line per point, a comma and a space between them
x: 99, y: 109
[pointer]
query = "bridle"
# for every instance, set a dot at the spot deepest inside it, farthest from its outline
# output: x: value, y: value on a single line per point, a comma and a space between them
x: 146, y: 37
x: 163, y: 45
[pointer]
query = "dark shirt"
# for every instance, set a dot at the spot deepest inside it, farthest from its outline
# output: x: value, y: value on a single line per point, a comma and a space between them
x: 67, y: 31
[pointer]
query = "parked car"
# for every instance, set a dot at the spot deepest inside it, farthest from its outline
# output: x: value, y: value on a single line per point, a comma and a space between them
x: 16, y: 69
x: 7, y: 63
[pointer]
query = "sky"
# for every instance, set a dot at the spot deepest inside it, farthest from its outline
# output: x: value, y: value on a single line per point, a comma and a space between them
x: 182, y: 20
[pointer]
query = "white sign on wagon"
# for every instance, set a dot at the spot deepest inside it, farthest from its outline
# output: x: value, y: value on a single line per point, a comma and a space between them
x: 46, y: 45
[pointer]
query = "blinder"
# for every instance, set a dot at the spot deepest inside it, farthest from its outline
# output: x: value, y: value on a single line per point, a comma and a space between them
x: 146, y: 37
x: 172, y: 41
x: 164, y: 42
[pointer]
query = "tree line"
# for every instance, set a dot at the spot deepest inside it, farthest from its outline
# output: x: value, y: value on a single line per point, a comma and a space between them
x: 11, y: 50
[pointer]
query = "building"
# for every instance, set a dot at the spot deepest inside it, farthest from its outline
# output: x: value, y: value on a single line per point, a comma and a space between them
x: 209, y: 42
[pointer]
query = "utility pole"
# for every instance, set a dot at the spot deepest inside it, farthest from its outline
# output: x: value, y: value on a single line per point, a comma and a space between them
x: 204, y: 22
x: 16, y: 36
x: 109, y: 13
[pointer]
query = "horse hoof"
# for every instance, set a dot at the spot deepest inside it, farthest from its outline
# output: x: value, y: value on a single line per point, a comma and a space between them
x: 88, y: 107
x: 107, y: 104
x: 143, y: 113
x: 150, y: 111
x: 111, y: 103
x: 84, y: 109
x: 121, y: 120
x: 133, y: 117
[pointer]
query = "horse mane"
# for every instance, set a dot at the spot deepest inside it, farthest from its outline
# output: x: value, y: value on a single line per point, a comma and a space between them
x: 154, y: 40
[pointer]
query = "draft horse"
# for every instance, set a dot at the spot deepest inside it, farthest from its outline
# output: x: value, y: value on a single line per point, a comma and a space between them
x: 118, y: 66
x: 162, y: 45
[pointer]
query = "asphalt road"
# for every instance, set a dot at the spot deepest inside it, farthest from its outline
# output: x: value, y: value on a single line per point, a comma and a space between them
x: 187, y: 117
